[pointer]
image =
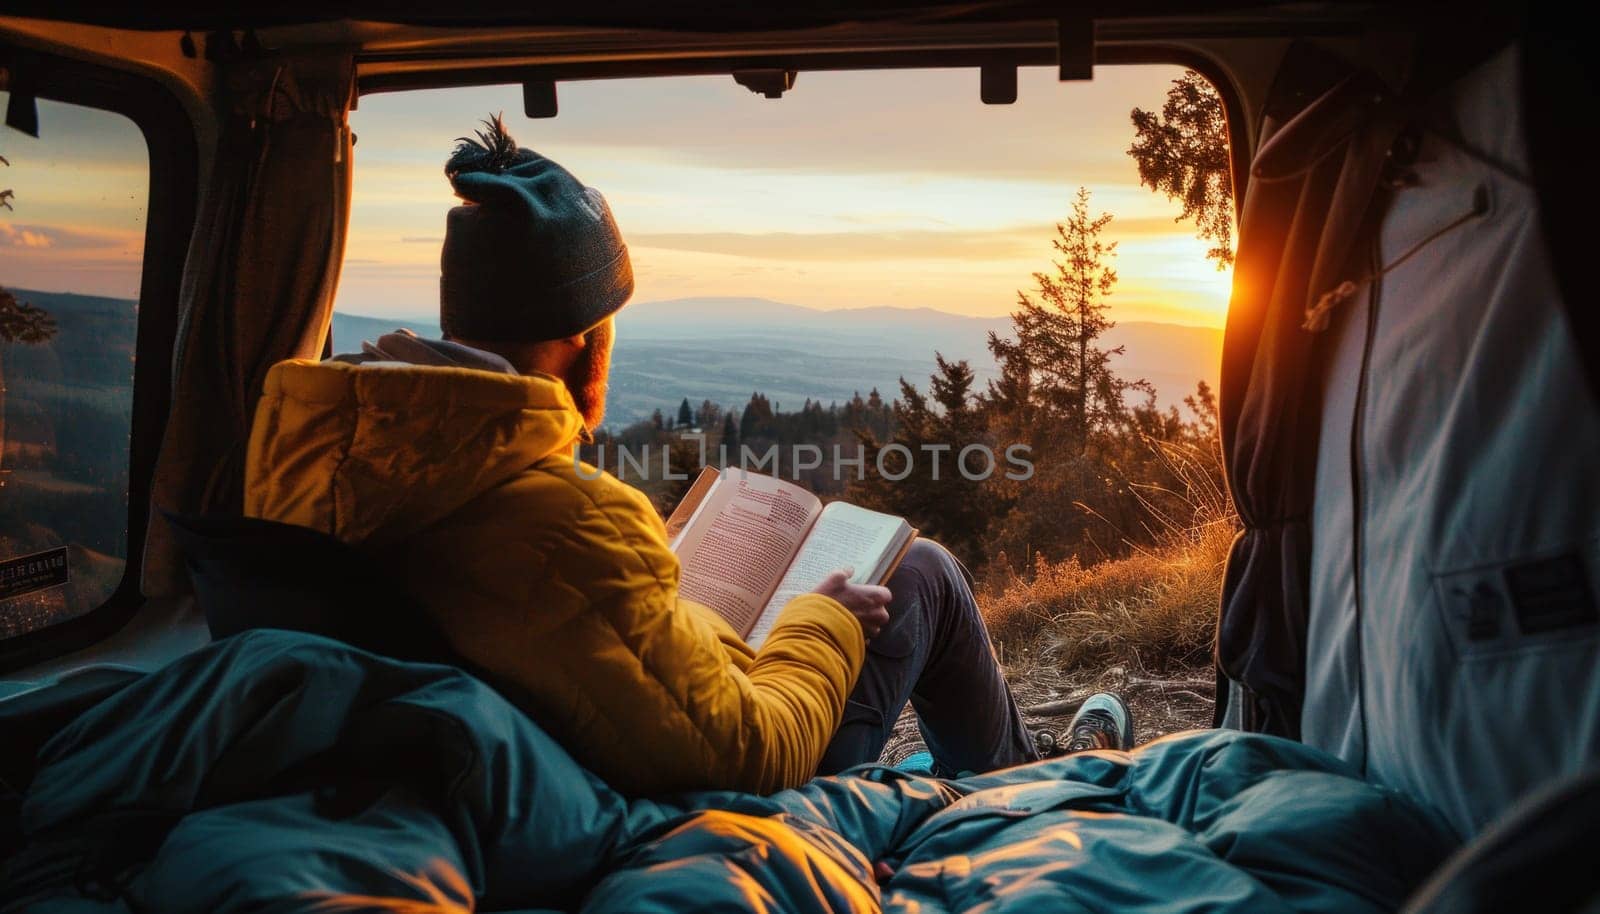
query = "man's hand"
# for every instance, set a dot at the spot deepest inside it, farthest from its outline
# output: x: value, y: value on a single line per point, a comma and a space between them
x: 869, y: 603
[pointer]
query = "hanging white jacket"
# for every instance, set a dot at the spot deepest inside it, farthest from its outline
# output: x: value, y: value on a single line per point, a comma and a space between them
x: 1453, y: 649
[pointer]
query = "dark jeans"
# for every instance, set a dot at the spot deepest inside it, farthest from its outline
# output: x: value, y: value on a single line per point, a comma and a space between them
x: 934, y: 652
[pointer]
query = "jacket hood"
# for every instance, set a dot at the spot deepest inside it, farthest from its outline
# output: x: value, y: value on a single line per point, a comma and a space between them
x: 372, y: 453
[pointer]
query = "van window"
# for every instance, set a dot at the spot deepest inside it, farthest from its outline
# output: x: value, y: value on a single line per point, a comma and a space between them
x: 72, y: 236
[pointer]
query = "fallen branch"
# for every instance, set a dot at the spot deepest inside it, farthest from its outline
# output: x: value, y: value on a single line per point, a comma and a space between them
x: 1061, y: 707
x: 1171, y: 684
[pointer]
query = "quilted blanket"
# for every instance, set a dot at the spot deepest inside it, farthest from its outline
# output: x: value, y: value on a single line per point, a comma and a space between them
x: 282, y: 772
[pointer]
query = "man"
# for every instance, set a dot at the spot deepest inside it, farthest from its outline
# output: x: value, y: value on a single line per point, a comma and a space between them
x: 453, y: 461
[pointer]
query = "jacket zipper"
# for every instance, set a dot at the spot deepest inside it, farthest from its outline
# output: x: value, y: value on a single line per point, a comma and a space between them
x: 1358, y: 493
x: 1480, y: 208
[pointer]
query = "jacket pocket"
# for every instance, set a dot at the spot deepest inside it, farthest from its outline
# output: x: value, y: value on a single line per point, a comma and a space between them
x: 1545, y: 602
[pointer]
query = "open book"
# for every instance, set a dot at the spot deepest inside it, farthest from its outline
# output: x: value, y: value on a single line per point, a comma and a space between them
x: 748, y: 543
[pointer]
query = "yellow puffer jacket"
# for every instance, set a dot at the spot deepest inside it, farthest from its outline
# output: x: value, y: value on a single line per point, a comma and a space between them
x: 562, y: 586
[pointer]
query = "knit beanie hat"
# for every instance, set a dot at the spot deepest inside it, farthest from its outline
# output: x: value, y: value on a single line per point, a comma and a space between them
x: 533, y: 255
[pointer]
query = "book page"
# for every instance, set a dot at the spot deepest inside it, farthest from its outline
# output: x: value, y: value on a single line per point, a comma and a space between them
x: 683, y: 515
x: 742, y: 538
x: 843, y: 535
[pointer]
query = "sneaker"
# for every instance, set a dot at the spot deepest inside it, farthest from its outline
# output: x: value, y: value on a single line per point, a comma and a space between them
x: 1045, y: 745
x: 1103, y: 722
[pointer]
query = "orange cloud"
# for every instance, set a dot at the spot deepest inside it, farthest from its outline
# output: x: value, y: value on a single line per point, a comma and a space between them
x: 63, y: 239
x: 24, y: 237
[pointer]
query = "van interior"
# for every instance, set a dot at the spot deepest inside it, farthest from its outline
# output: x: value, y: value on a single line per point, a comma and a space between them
x: 199, y: 714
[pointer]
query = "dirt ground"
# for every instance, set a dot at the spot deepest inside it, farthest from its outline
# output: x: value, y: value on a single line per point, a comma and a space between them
x: 1161, y: 704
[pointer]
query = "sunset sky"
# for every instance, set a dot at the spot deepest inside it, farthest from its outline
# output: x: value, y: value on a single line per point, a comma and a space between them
x: 854, y: 190
x: 77, y: 223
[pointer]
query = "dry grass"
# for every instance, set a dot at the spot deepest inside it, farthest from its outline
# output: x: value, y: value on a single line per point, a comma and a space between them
x: 1154, y: 611
x: 1140, y: 626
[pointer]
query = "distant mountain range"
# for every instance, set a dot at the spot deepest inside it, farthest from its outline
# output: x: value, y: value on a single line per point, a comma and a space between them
x: 723, y: 349
x: 718, y: 349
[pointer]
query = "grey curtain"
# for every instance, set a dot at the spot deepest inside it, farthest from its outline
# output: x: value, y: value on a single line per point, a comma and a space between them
x: 1316, y: 172
x: 1319, y: 180
x: 259, y: 280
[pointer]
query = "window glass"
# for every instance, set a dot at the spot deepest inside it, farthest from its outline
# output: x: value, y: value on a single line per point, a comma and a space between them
x: 71, y: 252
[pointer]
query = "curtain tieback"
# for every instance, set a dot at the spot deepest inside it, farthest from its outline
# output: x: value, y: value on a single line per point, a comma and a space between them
x: 1319, y: 314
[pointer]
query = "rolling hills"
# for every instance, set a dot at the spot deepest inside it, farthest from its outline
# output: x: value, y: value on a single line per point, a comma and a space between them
x: 722, y: 349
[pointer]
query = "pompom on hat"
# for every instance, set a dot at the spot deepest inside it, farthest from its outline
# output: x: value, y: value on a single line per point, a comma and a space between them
x: 533, y: 254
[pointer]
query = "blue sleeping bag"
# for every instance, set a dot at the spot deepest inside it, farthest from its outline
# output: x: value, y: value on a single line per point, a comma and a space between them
x: 282, y: 772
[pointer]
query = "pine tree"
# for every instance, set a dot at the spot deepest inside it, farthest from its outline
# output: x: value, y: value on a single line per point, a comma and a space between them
x: 685, y: 414
x: 1057, y: 394
x: 1183, y: 152
x: 880, y: 417
x: 23, y: 323
x: 854, y: 415
x: 8, y: 193
x: 20, y: 323
x: 1056, y: 363
x: 757, y: 419
x: 708, y: 416
x: 935, y: 495
x: 730, y: 438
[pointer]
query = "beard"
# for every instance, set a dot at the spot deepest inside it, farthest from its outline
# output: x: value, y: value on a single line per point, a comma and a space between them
x: 587, y: 378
